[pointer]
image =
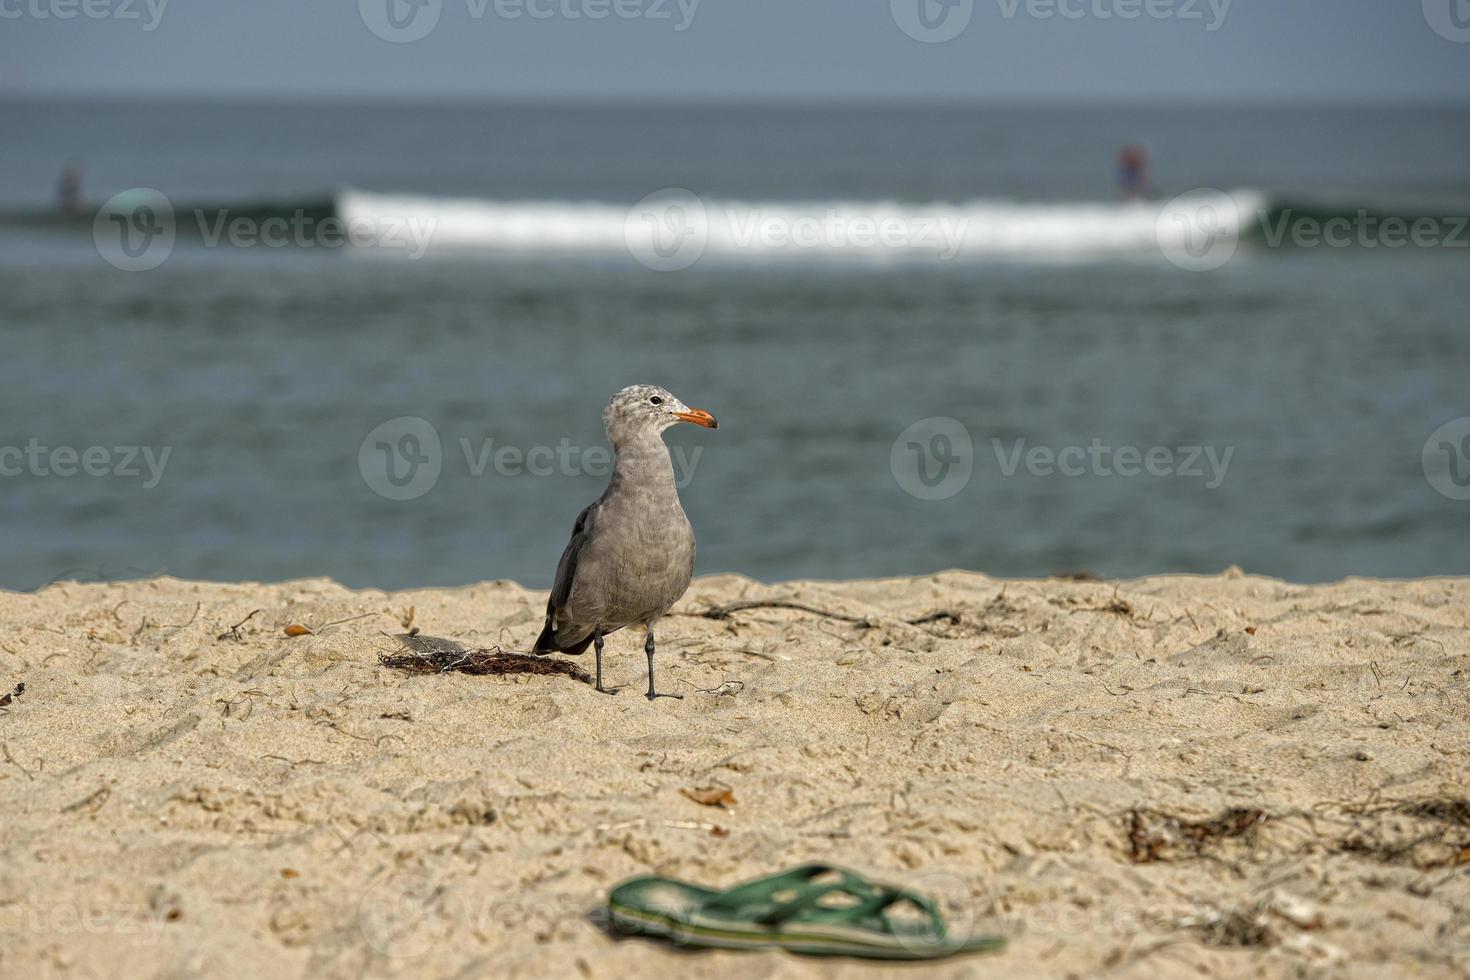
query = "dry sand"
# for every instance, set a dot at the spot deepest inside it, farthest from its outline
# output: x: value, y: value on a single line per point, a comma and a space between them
x: 182, y: 800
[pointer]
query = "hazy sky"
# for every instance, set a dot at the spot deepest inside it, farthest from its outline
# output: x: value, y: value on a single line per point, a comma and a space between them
x: 1346, y: 50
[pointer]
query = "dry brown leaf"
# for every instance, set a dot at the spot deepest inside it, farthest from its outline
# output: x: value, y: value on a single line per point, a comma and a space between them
x: 711, y: 795
x: 296, y: 629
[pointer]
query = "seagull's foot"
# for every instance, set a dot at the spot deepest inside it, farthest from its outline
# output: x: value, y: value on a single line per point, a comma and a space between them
x: 655, y: 695
x: 606, y: 690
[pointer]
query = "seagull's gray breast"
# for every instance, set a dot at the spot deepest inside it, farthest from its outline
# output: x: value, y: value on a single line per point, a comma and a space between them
x: 637, y: 562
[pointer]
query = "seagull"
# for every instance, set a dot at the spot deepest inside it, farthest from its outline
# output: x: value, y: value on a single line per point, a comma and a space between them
x: 632, y: 550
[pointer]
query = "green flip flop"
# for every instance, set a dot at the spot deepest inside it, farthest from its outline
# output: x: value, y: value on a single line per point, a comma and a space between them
x: 816, y: 909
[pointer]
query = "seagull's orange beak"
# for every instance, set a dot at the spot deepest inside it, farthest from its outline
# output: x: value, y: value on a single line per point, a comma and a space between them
x: 699, y: 417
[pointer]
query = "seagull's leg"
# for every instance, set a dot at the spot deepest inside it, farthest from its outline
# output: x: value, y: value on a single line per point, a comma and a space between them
x: 597, y: 648
x: 648, y: 649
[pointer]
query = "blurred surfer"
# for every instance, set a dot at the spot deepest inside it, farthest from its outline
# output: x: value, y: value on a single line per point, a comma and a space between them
x: 1133, y: 173
x: 69, y: 190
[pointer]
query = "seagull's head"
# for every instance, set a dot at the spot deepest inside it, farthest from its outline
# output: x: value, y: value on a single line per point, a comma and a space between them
x: 648, y: 408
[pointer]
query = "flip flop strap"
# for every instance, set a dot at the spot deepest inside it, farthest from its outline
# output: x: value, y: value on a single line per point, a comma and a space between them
x: 761, y: 890
x: 809, y: 897
x: 872, y: 900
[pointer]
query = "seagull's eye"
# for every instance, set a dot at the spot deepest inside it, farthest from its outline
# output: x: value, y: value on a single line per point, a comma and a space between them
x: 655, y: 400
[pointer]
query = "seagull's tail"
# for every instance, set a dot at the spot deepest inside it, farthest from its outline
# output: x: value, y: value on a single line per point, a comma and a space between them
x: 548, y: 643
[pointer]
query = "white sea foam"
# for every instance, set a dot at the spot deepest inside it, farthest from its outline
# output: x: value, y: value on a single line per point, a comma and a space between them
x: 975, y: 230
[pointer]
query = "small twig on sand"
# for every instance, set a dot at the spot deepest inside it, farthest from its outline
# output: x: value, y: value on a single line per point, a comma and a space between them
x: 92, y: 803
x: 147, y: 625
x: 233, y: 633
x: 938, y: 616
x: 1116, y: 605
x: 294, y: 762
x: 179, y: 626
x: 5, y: 750
x: 727, y: 688
x: 339, y: 622
x: 727, y: 610
x: 297, y: 629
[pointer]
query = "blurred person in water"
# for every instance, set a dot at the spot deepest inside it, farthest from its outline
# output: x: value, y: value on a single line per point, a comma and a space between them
x: 69, y: 189
x: 1133, y: 173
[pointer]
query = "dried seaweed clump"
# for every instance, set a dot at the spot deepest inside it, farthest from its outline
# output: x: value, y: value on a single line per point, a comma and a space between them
x: 430, y: 655
x: 1154, y: 835
x: 1426, y: 833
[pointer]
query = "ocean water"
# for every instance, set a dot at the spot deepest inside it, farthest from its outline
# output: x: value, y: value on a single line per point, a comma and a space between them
x: 1057, y: 386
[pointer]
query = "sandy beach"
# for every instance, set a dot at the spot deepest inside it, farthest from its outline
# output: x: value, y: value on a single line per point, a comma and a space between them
x: 1168, y: 776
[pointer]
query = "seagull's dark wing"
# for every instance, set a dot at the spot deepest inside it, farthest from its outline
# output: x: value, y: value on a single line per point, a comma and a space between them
x: 561, y: 589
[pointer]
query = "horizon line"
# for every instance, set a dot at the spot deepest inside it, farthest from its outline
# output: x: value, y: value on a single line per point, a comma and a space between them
x: 459, y: 100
